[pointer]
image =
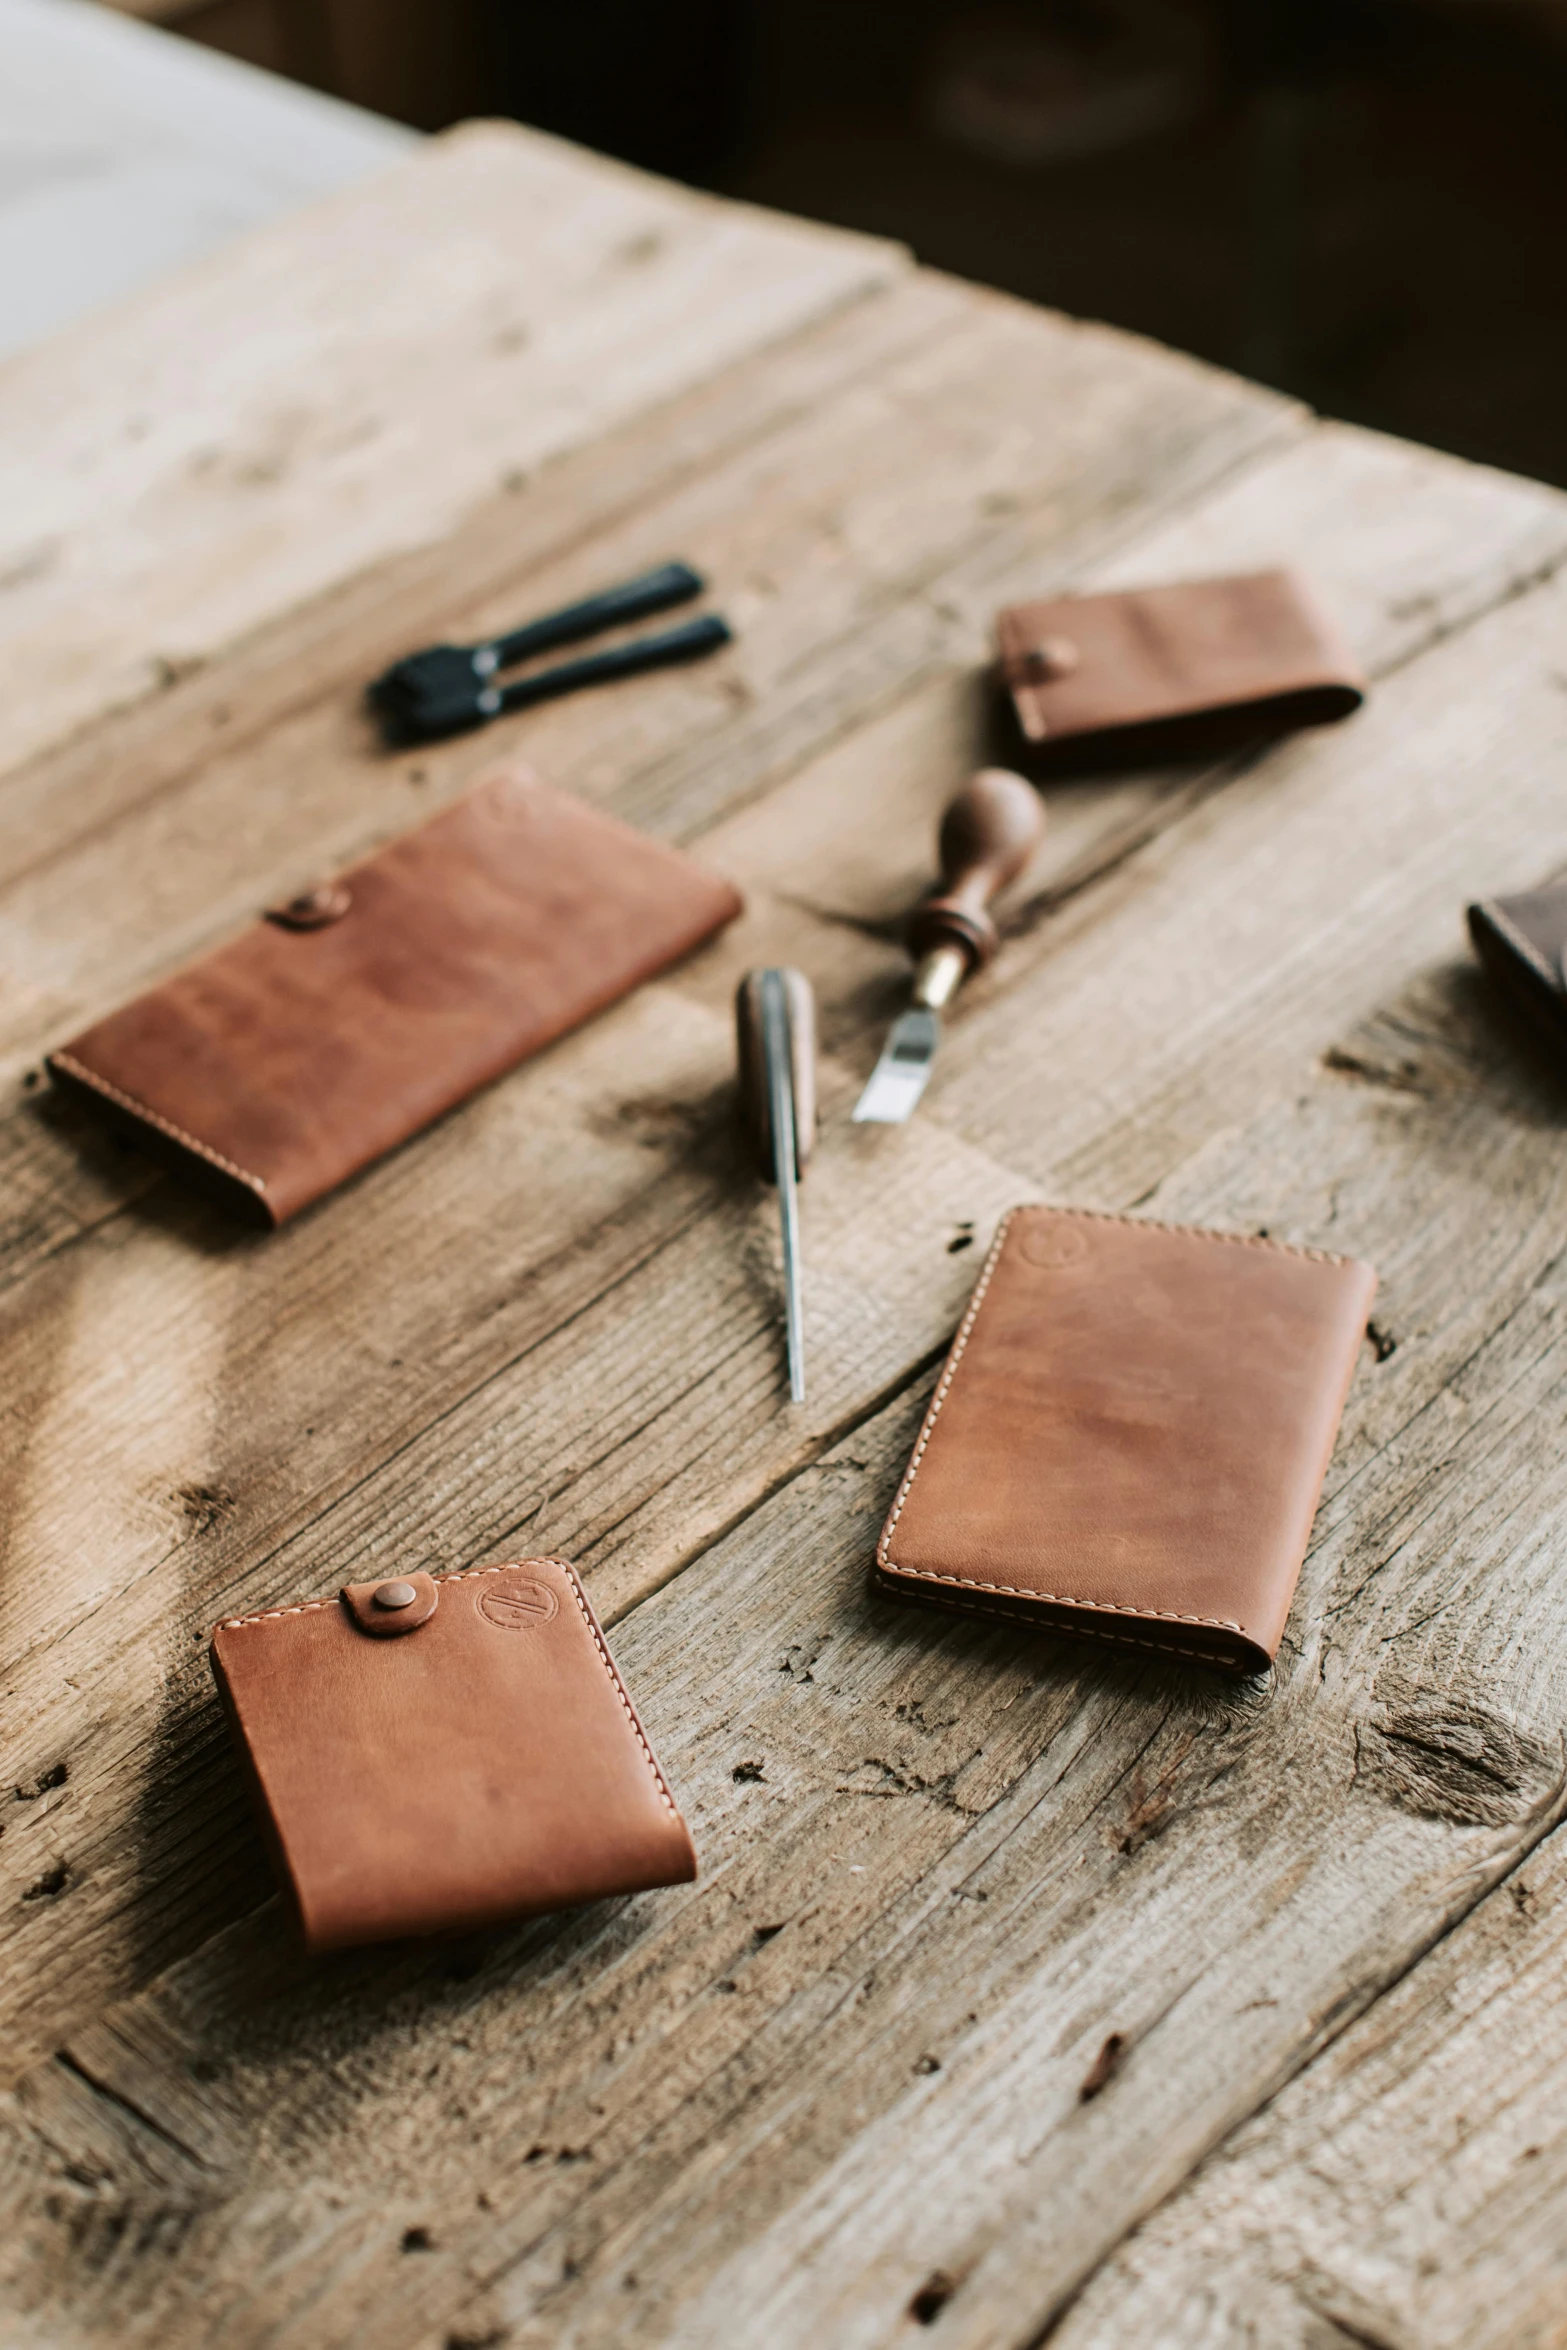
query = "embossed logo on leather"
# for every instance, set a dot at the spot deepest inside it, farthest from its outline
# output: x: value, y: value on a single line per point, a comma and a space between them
x: 516, y: 1607
x: 1055, y: 1248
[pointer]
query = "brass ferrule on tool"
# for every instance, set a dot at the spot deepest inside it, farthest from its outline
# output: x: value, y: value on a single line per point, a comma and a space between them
x: 938, y: 976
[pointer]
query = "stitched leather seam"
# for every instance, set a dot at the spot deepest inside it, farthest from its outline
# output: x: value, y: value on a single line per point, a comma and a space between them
x: 1283, y: 1248
x: 884, y: 1547
x: 305, y: 1607
x: 1524, y: 947
x: 1017, y: 1615
x: 1109, y: 1607
x: 128, y: 1101
x: 507, y: 1567
x: 884, y: 1557
x: 514, y: 1566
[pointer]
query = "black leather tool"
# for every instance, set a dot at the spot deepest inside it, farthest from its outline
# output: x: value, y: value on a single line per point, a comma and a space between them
x: 449, y: 689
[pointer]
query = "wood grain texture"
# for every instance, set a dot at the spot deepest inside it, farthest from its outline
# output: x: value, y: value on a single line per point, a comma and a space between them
x: 206, y: 1487
x: 607, y: 1285
x: 831, y: 591
x: 944, y: 1868
x: 348, y: 381
x: 997, y: 1943
x: 1406, y: 2190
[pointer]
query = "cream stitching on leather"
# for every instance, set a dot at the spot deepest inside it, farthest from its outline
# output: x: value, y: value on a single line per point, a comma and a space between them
x: 883, y: 1548
x: 514, y: 1566
x: 508, y: 1567
x: 888, y: 1563
x: 306, y: 1607
x: 1018, y: 1615
x: 1108, y: 1607
x: 128, y: 1101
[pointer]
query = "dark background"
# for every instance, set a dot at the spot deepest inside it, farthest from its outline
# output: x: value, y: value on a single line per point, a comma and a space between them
x: 1361, y: 201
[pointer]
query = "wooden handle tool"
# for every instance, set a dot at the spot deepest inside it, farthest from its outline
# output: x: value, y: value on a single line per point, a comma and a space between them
x: 775, y: 1031
x: 987, y: 836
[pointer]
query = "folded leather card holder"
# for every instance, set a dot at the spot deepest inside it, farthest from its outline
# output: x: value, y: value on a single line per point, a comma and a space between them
x: 1163, y: 673
x: 1521, y: 942
x: 360, y: 1012
x: 1129, y: 1438
x: 436, y: 1754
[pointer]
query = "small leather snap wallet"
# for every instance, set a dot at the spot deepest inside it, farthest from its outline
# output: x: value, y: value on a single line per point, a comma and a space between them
x: 1146, y: 675
x: 362, y: 1010
x: 1129, y: 1438
x: 1521, y: 942
x: 436, y: 1754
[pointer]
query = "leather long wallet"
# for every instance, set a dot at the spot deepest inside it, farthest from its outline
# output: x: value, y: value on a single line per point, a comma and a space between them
x: 432, y: 1755
x: 1521, y: 942
x: 1145, y: 675
x: 356, y: 1014
x: 1128, y: 1441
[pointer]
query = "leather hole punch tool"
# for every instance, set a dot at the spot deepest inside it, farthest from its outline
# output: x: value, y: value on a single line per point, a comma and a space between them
x: 450, y: 689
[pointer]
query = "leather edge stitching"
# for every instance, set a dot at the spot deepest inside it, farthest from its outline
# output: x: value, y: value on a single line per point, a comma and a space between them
x: 1111, y: 1607
x: 140, y: 1109
x: 927, y: 1428
x: 884, y: 1558
x: 608, y: 1662
x: 1018, y: 1615
x: 507, y: 1567
x: 1284, y: 1248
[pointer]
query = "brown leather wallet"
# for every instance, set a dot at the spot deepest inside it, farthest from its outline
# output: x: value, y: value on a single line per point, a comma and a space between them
x: 1130, y: 1435
x: 363, y: 1010
x: 432, y: 1755
x: 1164, y: 673
x: 1521, y: 941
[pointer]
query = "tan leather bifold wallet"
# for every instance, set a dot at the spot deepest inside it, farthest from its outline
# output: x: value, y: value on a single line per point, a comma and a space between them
x: 1178, y: 672
x: 432, y: 1755
x: 1129, y: 1439
x: 361, y: 1011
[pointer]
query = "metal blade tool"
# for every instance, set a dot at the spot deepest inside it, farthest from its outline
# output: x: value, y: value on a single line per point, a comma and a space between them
x: 775, y: 1030
x: 987, y: 836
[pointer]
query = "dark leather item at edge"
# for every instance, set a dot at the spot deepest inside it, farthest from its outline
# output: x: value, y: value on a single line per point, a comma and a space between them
x: 1520, y: 941
x: 1129, y: 1439
x: 1180, y: 672
x: 316, y: 1041
x: 484, y: 1766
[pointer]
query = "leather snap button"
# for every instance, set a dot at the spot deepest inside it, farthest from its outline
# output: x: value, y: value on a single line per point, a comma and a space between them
x: 313, y: 909
x: 388, y: 1611
x: 1055, y: 656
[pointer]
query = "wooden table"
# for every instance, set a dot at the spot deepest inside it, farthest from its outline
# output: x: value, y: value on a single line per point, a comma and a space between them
x: 1027, y: 1994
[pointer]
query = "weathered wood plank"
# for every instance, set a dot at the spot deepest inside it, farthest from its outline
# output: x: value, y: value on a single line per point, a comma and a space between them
x: 139, y: 843
x: 850, y: 833
x: 581, y: 1346
x: 267, y: 422
x: 1406, y: 2190
x: 197, y: 1503
x: 945, y: 1870
x: 58, y: 1176
x: 828, y: 569
x: 1215, y: 960
x: 448, y: 1384
x: 983, y: 1858
x: 317, y: 779
x: 483, y: 572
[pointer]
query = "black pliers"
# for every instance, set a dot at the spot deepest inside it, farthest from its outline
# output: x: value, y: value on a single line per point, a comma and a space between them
x: 449, y: 688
